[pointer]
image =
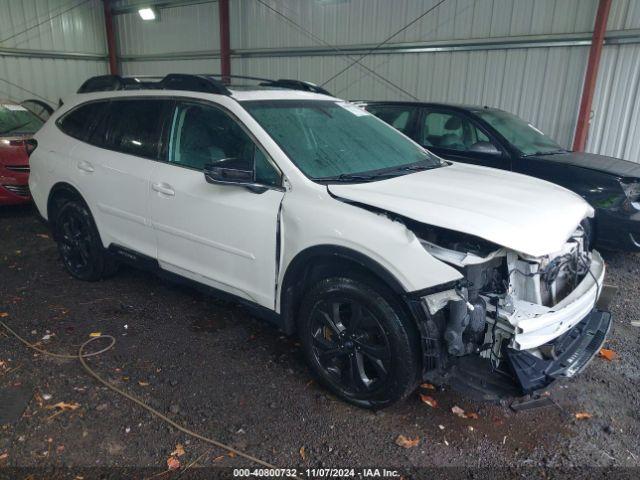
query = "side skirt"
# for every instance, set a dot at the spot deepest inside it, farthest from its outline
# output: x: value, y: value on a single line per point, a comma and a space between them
x: 144, y: 262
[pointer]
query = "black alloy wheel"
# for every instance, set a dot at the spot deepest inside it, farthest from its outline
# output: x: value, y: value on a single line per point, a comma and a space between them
x: 79, y: 243
x: 349, y: 342
x: 359, y: 341
x: 75, y: 241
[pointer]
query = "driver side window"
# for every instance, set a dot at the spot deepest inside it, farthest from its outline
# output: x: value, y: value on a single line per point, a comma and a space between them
x: 202, y: 134
x: 450, y: 131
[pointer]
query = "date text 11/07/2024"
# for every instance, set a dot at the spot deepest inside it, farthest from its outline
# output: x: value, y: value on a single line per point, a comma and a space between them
x: 316, y: 473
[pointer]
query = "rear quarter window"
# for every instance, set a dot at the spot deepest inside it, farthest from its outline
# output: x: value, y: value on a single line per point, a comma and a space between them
x: 78, y: 122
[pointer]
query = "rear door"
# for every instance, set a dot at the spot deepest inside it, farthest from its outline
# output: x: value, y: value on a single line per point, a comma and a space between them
x: 115, y: 168
x: 225, y: 236
x: 455, y: 136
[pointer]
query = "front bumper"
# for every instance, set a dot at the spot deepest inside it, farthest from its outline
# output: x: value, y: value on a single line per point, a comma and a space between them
x: 570, y: 353
x: 618, y: 230
x: 14, y: 194
x: 536, y: 325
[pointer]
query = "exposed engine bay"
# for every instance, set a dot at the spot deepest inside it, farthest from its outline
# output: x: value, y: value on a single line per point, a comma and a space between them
x: 508, y: 299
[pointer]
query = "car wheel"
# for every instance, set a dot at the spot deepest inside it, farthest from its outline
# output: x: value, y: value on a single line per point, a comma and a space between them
x: 359, y: 343
x: 79, y: 243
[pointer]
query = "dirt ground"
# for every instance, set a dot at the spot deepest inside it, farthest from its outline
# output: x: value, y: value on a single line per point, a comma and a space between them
x: 212, y: 367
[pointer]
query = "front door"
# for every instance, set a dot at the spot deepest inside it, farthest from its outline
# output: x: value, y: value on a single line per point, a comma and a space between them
x: 224, y: 236
x: 453, y: 136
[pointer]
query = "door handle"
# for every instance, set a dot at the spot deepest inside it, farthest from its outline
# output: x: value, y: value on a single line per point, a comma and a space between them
x: 85, y: 166
x: 163, y: 188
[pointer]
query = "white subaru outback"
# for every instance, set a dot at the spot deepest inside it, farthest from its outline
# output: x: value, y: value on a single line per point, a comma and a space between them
x: 392, y: 265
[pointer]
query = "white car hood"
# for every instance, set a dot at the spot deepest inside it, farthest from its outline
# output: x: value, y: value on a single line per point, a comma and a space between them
x: 515, y: 211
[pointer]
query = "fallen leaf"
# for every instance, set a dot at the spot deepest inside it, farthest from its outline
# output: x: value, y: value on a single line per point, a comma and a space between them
x: 173, y: 463
x: 3, y: 314
x: 231, y: 454
x: 95, y: 334
x: 427, y: 386
x: 143, y: 384
x: 607, y: 354
x: 42, y: 235
x: 456, y: 410
x: 303, y: 455
x: 583, y: 416
x: 65, y: 407
x: 4, y: 456
x: 179, y: 451
x: 406, y: 442
x: 428, y: 400
x: 217, y: 459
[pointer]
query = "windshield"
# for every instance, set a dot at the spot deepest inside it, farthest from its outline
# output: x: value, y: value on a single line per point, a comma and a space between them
x: 335, y: 140
x: 17, y: 119
x: 522, y: 135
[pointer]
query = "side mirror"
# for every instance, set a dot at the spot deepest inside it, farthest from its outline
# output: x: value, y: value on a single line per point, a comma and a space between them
x: 487, y: 148
x: 232, y: 171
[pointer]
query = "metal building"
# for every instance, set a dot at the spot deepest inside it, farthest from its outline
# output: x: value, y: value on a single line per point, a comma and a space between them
x: 525, y: 56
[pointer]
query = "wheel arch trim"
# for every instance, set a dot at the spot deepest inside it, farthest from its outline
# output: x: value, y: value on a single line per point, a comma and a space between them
x: 296, y: 269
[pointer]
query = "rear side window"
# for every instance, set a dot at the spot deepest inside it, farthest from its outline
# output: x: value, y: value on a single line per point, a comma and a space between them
x: 132, y: 127
x: 79, y: 121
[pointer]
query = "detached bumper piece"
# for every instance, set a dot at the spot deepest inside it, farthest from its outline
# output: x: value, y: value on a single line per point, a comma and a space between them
x: 567, y: 355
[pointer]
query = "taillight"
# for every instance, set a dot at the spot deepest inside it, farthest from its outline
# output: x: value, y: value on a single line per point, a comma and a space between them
x: 30, y: 145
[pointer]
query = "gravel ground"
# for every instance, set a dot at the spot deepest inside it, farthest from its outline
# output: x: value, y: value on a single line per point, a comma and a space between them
x: 214, y: 368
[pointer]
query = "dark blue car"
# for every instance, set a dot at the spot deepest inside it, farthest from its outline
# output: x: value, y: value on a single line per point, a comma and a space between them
x: 495, y: 138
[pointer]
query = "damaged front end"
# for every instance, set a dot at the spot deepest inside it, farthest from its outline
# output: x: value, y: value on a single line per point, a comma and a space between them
x: 514, y: 319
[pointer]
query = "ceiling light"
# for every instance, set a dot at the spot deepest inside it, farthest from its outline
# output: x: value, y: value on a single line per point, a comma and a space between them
x: 147, y: 13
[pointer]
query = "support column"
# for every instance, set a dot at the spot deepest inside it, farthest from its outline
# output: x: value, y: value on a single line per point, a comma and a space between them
x: 111, y: 38
x: 597, y: 41
x: 225, y: 43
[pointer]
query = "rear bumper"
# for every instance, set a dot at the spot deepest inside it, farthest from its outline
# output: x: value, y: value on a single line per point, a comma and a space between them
x: 570, y: 353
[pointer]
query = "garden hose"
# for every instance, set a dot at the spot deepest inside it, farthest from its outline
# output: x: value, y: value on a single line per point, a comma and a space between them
x: 81, y: 356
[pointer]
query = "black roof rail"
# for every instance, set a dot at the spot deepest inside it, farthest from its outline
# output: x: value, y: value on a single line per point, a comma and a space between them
x: 289, y: 83
x: 296, y: 85
x: 102, y: 83
x: 208, y: 83
x: 173, y: 81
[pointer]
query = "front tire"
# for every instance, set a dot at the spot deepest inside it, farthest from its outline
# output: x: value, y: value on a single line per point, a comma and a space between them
x: 79, y: 243
x: 359, y: 342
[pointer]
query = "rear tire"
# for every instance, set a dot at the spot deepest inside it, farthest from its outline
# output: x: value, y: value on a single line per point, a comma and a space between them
x: 79, y: 243
x: 359, y: 342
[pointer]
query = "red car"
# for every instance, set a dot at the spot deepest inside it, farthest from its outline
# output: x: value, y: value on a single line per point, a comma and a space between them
x: 17, y: 124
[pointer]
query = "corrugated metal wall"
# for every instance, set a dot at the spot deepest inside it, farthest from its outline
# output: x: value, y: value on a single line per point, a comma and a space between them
x: 542, y: 84
x: 49, y: 47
